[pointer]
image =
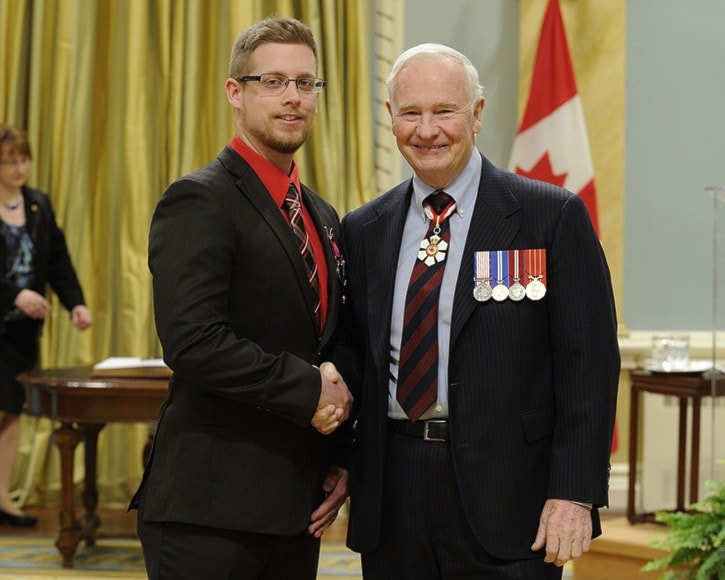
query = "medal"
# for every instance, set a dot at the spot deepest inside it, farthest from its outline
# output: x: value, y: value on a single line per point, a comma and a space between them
x: 482, y: 291
x: 482, y: 275
x: 500, y: 291
x: 516, y: 290
x: 536, y: 270
x: 433, y: 249
x: 535, y: 290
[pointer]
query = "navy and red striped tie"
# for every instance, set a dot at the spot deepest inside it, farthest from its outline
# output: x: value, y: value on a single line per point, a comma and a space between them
x: 417, y: 387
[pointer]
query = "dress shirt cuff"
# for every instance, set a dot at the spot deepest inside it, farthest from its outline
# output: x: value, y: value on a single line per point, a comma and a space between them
x: 582, y: 503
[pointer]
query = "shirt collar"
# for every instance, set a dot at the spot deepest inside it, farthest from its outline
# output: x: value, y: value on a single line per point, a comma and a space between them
x: 464, y: 188
x: 273, y: 179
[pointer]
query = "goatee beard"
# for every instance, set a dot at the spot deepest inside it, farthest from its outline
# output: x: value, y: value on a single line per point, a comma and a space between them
x: 285, y: 147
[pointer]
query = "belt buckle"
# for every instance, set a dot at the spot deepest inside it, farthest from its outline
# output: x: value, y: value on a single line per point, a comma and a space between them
x: 426, y: 427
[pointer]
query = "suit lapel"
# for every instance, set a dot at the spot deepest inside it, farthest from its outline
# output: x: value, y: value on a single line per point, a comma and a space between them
x: 326, y: 224
x: 494, y: 226
x: 252, y: 188
x: 382, y: 237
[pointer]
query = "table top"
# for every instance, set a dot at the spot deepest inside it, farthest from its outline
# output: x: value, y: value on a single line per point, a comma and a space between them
x: 678, y: 384
x: 75, y: 395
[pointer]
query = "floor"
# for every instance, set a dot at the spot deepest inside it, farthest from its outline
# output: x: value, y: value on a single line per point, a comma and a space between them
x: 119, y: 523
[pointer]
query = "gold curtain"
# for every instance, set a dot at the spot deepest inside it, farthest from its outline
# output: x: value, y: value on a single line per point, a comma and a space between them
x: 121, y: 97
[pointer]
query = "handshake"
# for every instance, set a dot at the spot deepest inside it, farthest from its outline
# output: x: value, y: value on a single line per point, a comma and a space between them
x: 335, y: 400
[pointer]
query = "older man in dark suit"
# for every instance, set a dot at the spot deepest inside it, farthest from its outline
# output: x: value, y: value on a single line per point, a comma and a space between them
x: 246, y: 299
x: 483, y: 353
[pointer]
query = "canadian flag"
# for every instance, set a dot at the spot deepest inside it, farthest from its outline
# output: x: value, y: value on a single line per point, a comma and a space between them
x: 552, y: 144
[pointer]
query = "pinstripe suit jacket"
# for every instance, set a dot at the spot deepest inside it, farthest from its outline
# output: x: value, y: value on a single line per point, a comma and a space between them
x: 532, y: 384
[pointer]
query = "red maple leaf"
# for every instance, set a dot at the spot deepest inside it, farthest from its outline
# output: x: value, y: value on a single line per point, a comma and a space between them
x: 544, y: 172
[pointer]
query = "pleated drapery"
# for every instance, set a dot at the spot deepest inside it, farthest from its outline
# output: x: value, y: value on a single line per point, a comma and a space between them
x: 121, y: 97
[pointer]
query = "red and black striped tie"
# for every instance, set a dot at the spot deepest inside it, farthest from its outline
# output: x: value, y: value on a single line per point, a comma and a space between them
x: 294, y: 211
x: 417, y: 387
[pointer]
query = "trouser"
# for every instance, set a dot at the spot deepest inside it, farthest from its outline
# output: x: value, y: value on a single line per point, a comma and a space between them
x: 177, y: 551
x: 424, y: 533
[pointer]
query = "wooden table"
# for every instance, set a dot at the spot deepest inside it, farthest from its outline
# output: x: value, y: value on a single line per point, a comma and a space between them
x: 684, y: 387
x: 83, y: 404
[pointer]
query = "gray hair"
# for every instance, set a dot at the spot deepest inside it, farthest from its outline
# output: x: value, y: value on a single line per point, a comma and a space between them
x: 437, y: 52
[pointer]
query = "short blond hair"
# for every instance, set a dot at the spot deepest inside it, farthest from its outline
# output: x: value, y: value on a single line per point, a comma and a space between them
x: 277, y: 30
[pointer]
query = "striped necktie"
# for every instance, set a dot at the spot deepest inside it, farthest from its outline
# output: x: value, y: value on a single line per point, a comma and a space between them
x: 417, y: 387
x: 294, y: 211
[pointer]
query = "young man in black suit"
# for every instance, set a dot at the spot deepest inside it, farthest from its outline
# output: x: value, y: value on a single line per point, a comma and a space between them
x: 485, y: 362
x: 242, y: 479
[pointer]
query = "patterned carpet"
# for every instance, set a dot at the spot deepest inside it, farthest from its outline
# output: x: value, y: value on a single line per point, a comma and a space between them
x: 39, y: 559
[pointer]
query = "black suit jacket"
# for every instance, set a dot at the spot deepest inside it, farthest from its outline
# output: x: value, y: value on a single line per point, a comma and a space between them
x: 532, y: 384
x: 51, y: 260
x: 234, y: 312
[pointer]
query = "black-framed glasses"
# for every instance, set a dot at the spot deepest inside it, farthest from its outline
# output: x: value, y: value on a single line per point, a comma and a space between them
x: 276, y: 84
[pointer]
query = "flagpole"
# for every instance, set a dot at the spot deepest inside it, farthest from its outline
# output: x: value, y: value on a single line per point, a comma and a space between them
x: 716, y: 193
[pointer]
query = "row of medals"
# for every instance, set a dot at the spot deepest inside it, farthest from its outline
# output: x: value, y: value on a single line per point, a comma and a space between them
x: 433, y: 250
x: 483, y: 291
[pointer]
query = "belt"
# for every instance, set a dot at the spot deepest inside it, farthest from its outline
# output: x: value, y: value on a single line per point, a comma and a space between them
x: 429, y: 430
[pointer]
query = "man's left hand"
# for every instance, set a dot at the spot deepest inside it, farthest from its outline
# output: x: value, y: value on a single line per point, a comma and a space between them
x: 565, y: 530
x: 335, y: 485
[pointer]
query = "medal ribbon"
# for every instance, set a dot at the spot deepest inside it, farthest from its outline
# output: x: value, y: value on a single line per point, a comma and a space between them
x: 515, y: 265
x: 500, y: 264
x: 482, y: 266
x: 536, y: 264
x: 441, y: 215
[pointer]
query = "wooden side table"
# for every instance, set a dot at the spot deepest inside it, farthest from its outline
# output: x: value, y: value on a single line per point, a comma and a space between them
x: 684, y: 387
x: 82, y: 404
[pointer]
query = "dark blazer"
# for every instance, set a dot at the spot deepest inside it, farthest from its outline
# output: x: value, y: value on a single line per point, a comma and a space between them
x: 234, y: 312
x: 51, y: 260
x: 532, y: 384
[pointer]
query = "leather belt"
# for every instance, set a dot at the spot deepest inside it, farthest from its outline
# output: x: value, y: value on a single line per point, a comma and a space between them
x: 428, y: 430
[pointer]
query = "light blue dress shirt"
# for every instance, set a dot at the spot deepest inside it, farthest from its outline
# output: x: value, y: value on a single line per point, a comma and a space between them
x: 464, y: 190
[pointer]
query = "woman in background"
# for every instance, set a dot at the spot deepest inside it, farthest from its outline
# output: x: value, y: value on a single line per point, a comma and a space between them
x: 33, y: 253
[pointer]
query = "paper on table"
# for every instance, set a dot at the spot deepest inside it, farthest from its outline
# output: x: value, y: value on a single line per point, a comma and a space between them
x: 129, y: 366
x: 125, y: 362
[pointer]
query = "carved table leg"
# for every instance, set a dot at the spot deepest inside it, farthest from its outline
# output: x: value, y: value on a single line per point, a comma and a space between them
x: 90, y: 490
x: 67, y: 438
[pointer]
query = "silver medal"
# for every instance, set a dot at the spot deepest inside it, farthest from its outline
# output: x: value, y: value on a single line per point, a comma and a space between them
x: 499, y: 293
x: 482, y: 291
x: 535, y: 290
x: 517, y: 292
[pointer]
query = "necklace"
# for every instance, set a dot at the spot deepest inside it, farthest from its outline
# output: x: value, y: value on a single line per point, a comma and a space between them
x: 13, y: 206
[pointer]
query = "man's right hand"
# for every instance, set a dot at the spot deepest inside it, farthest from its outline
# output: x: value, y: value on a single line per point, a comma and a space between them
x: 335, y: 401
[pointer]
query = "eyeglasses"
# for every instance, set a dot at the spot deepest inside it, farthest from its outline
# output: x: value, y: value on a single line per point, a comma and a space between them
x: 274, y: 84
x: 15, y: 162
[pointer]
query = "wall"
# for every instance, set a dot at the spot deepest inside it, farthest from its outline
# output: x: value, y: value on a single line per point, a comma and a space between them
x: 675, y: 147
x: 486, y: 31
